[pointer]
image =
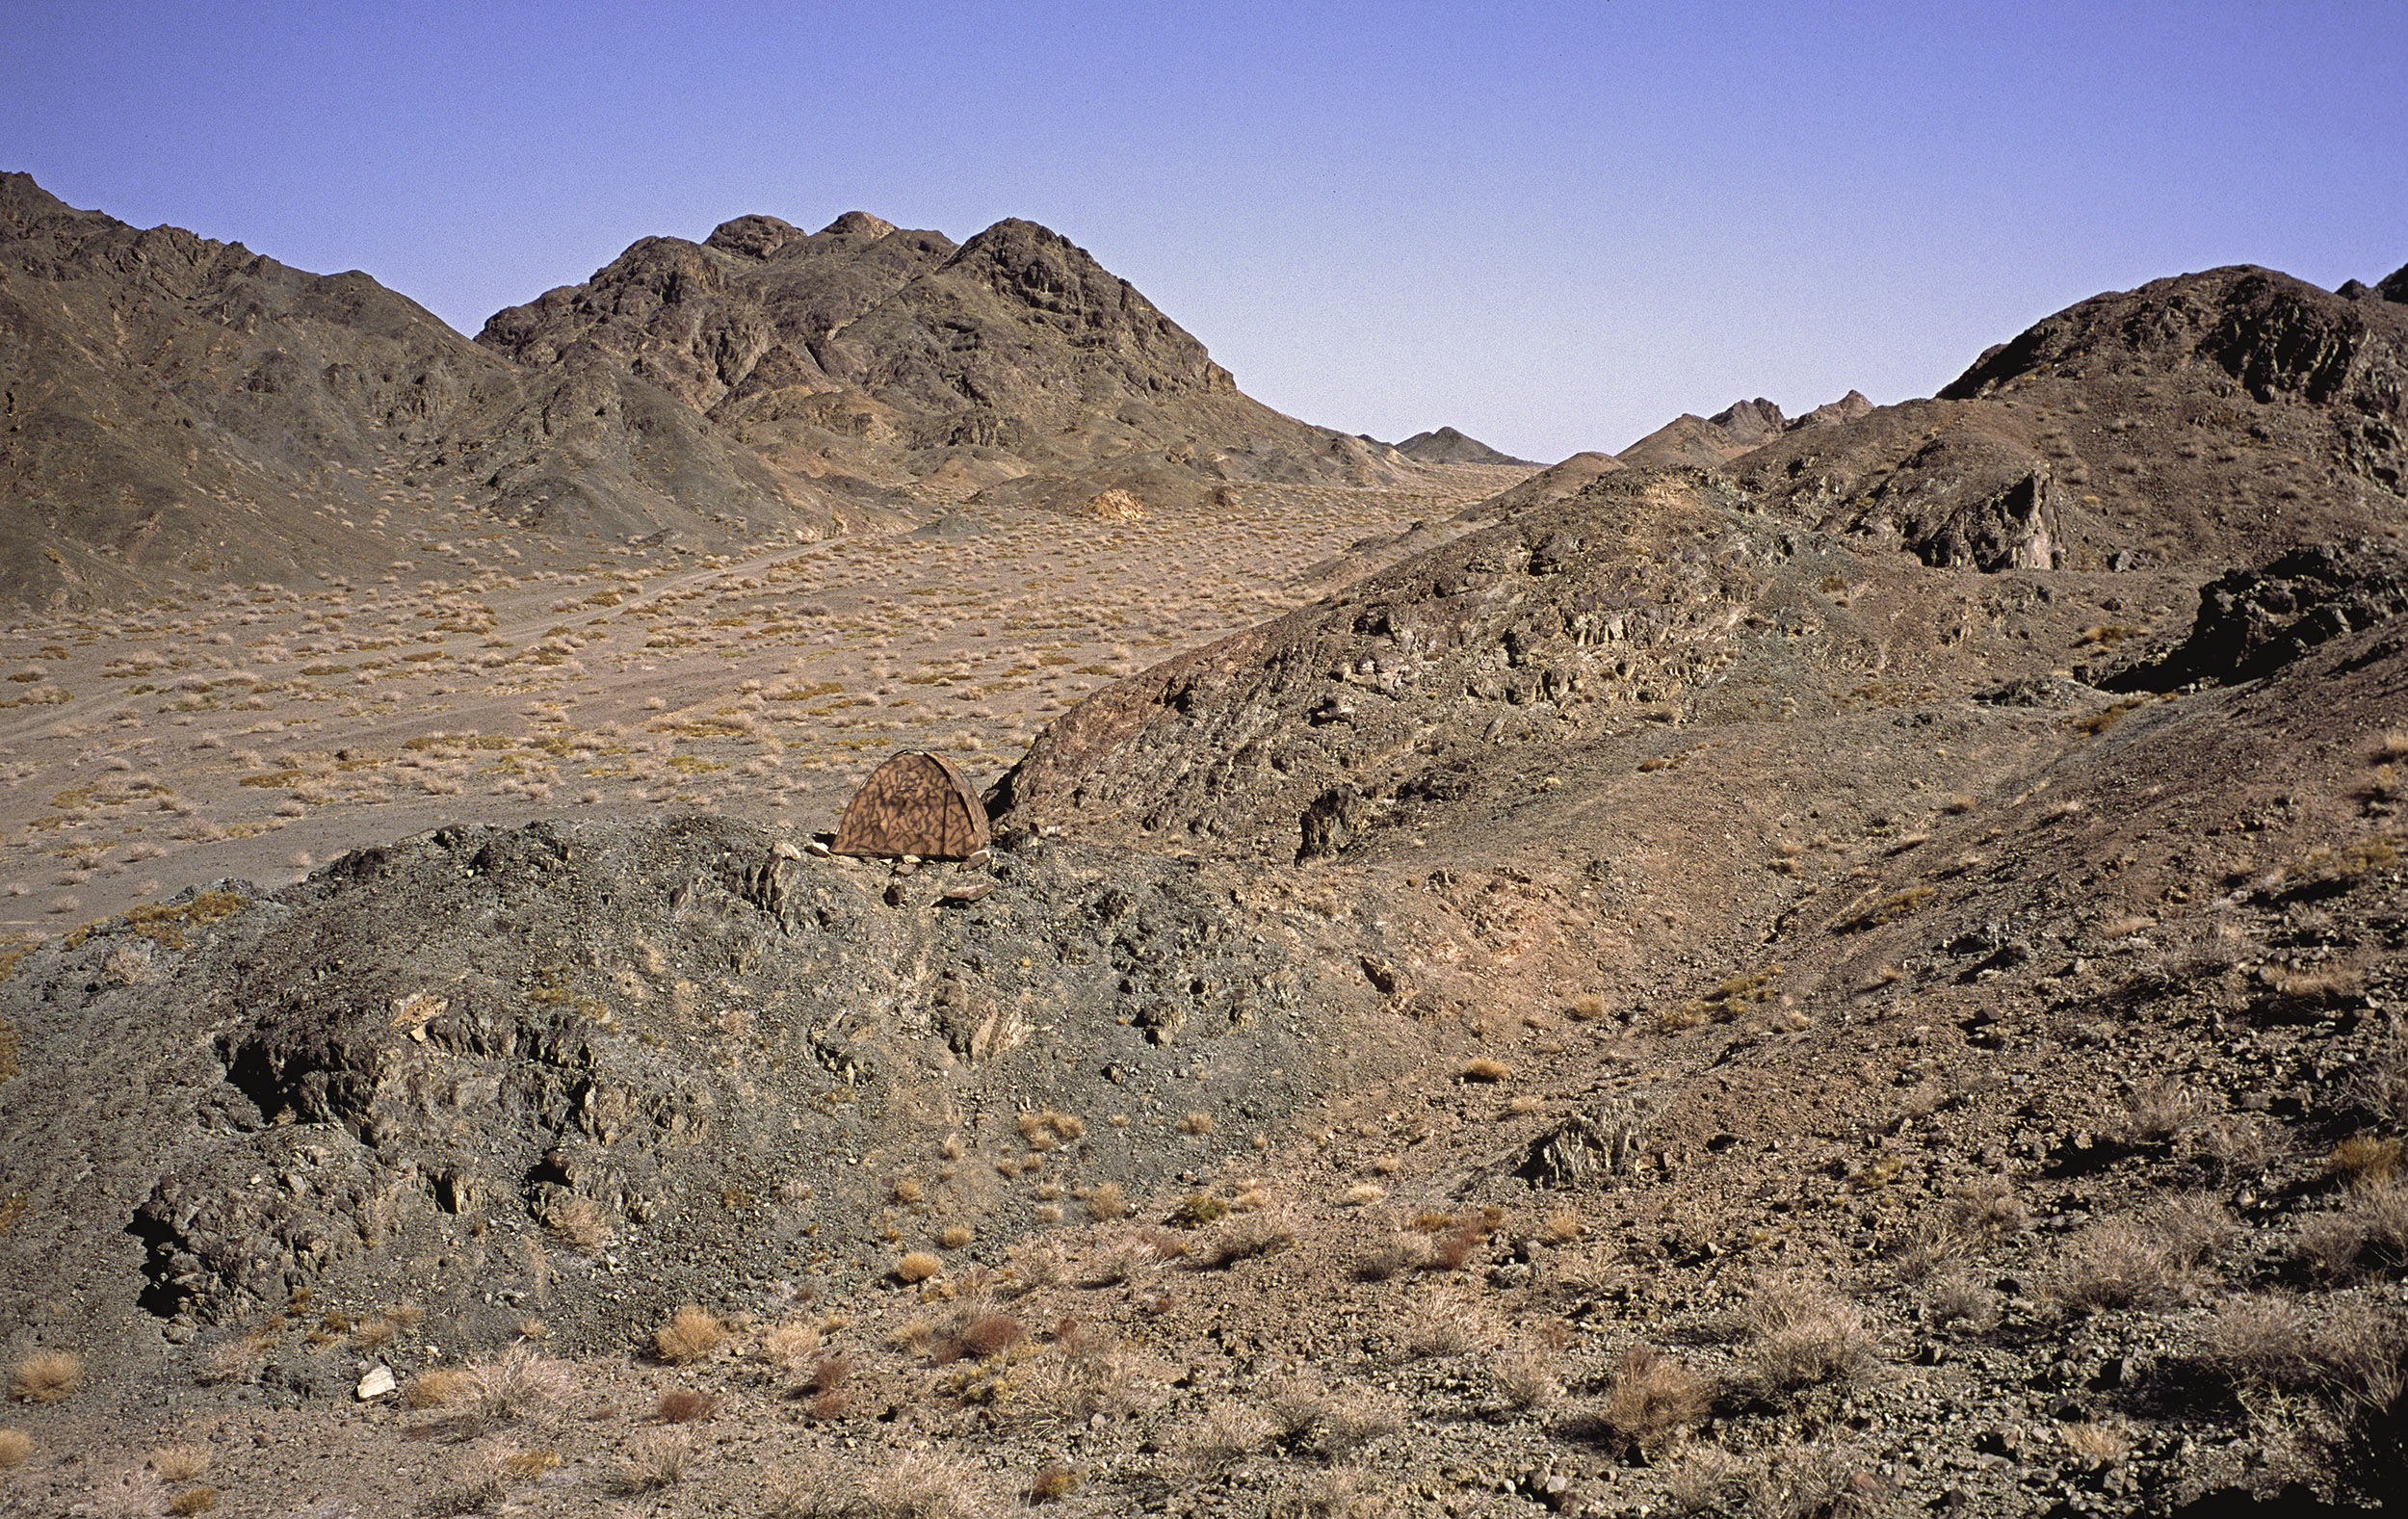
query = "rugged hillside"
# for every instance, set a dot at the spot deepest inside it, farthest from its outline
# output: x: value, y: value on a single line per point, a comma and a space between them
x: 1860, y: 787
x: 2206, y: 420
x: 895, y: 355
x: 688, y: 1049
x: 1851, y: 981
x: 179, y: 408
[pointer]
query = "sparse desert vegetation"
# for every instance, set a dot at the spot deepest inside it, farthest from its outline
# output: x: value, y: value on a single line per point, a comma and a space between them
x: 1720, y: 992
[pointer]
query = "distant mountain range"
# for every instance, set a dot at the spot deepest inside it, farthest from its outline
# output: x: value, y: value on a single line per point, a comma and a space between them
x: 177, y: 407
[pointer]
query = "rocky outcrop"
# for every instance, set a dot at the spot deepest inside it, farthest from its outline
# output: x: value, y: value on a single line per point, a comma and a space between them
x: 688, y: 1047
x: 2252, y: 622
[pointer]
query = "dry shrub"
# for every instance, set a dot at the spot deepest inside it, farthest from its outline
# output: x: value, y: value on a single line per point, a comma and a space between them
x: 1526, y: 1378
x: 1242, y: 1239
x: 181, y: 1463
x: 925, y: 1485
x: 954, y: 1236
x: 790, y: 1344
x: 1806, y: 1335
x: 1196, y: 1123
x: 1954, y: 1295
x: 1709, y: 1480
x: 683, y: 1405
x: 194, y: 1501
x: 2156, y: 1112
x: 520, y: 1384
x: 1449, y: 1324
x: 1090, y: 1374
x: 1053, y: 1481
x: 238, y: 1360
x: 1485, y: 1069
x: 1586, y: 1009
x: 2365, y: 1158
x: 917, y: 1267
x: 2380, y: 1086
x: 1042, y: 1131
x: 16, y: 1447
x: 47, y: 1376
x: 1222, y: 1435
x: 2143, y: 1262
x: 440, y: 1387
x: 691, y: 1334
x: 1653, y: 1399
x: 123, y: 1493
x: 1333, y: 1424
x: 2260, y: 1340
x: 1404, y: 1250
x: 2349, y: 1350
x: 1104, y: 1202
x: 654, y: 1459
x: 1814, y: 1482
x: 2093, y: 1446
x: 2368, y: 1233
x: 1338, y: 1492
x: 1985, y: 1210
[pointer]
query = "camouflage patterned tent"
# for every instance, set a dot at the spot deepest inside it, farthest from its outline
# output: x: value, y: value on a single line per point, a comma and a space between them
x: 914, y: 805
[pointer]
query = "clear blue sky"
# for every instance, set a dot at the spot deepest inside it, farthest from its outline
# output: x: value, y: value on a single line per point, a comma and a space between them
x: 1553, y: 225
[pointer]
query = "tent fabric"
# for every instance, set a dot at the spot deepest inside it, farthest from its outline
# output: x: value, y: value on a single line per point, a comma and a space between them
x: 915, y: 803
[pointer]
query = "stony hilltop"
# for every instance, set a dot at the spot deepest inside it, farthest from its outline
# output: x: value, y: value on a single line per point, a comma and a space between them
x: 1854, y: 970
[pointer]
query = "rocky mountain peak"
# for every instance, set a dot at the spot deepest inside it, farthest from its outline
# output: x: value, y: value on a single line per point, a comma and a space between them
x: 753, y: 236
x: 1750, y: 421
x: 857, y: 223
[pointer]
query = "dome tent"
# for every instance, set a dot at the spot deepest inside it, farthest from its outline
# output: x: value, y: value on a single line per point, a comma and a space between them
x: 915, y: 803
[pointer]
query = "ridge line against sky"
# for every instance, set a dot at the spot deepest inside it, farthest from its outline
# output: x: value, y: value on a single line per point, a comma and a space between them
x: 1552, y: 225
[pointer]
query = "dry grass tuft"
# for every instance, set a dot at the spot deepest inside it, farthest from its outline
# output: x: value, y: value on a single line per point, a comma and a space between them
x: 238, y: 1360
x: 918, y: 1266
x: 47, y: 1376
x: 1485, y: 1069
x: 194, y: 1501
x: 925, y: 1485
x: 2365, y: 1158
x: 691, y: 1334
x: 1952, y: 1295
x: 2093, y: 1446
x: 653, y: 1460
x: 181, y: 1463
x: 440, y: 1387
x: 2368, y: 1233
x: 17, y: 1448
x: 516, y: 1384
x: 1042, y: 1131
x: 1525, y: 1380
x: 1198, y: 1122
x: 1222, y: 1436
x: 1807, y: 1335
x: 1104, y: 1202
x: 1654, y: 1400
